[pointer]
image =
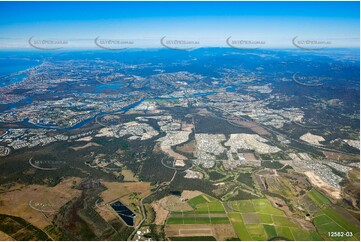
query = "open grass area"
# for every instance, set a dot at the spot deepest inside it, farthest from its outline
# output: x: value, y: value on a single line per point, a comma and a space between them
x: 211, y: 207
x: 197, y: 200
x: 243, y: 206
x: 265, y: 206
x: 318, y: 198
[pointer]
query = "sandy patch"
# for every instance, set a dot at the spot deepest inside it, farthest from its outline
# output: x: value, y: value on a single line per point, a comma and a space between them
x: 353, y: 143
x: 175, y: 203
x: 340, y: 156
x: 249, y: 156
x: 187, y: 194
x: 172, y: 153
x: 179, y: 163
x: 174, y: 138
x: 76, y: 148
x: 129, y: 176
x: 105, y: 132
x: 250, y: 142
x: 189, y: 147
x: 86, y: 138
x: 251, y: 125
x: 5, y: 237
x: 318, y: 182
x: 220, y: 231
x: 161, y: 213
x: 312, y: 139
x: 193, y: 174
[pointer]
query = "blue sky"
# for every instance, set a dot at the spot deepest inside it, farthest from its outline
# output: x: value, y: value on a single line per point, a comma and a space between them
x: 209, y: 22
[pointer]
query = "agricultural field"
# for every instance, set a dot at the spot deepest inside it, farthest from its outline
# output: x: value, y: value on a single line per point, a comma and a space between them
x: 318, y: 198
x: 335, y: 219
x: 208, y: 218
x: 257, y: 219
x: 206, y: 210
x: 254, y: 219
x: 329, y: 218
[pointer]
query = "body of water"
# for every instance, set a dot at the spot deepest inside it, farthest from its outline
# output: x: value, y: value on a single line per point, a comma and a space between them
x: 125, y: 213
x: 13, y: 66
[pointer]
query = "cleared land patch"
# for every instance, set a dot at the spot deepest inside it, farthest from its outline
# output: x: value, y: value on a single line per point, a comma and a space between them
x: 38, y: 204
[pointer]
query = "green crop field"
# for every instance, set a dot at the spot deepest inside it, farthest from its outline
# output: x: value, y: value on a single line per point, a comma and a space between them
x: 270, y: 230
x: 197, y: 200
x: 245, y: 206
x: 318, y: 198
x: 207, y: 210
x: 265, y: 218
x: 282, y: 221
x: 340, y: 220
x: 219, y: 220
x: 180, y: 220
x: 256, y: 231
x: 333, y: 220
x: 211, y: 207
x: 284, y: 232
x: 211, y: 199
x: 299, y: 234
x: 193, y: 238
x: 239, y: 227
x: 216, y: 207
x: 202, y: 220
x: 198, y: 220
x: 257, y: 219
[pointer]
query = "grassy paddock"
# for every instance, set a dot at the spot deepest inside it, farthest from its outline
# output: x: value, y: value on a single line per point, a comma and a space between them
x: 318, y: 198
